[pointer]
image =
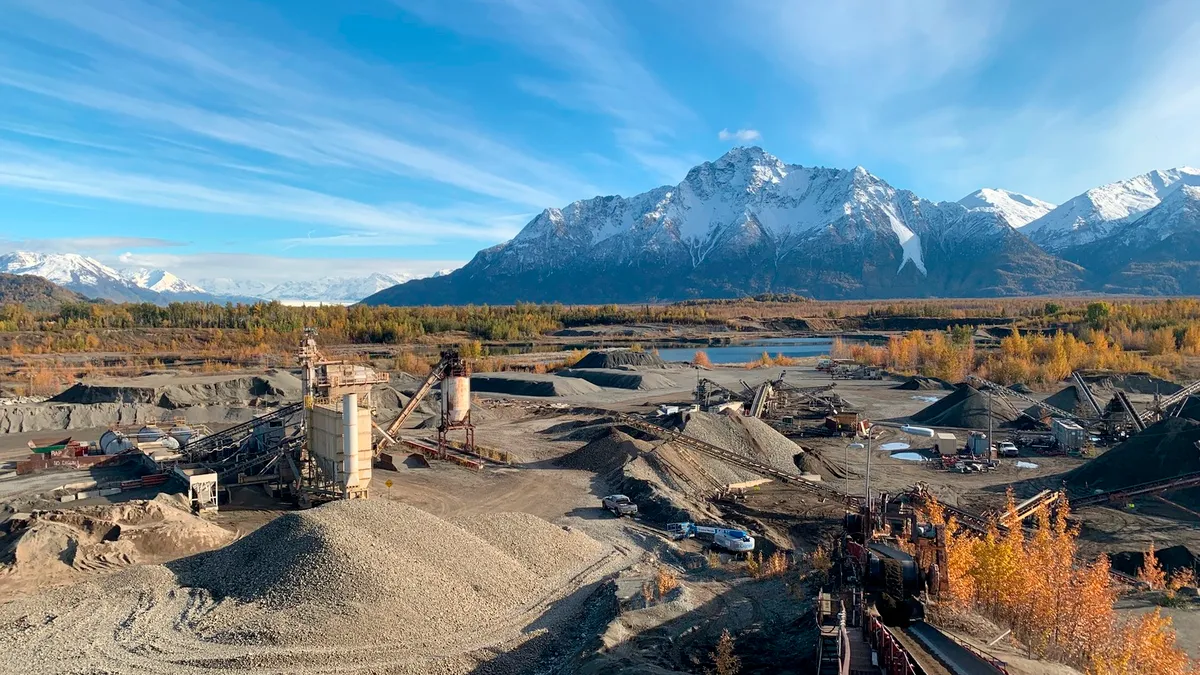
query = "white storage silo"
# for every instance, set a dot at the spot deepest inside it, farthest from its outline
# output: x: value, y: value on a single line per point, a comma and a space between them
x: 456, y: 398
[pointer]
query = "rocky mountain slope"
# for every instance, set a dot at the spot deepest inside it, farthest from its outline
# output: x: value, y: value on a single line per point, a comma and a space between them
x: 34, y: 292
x: 1157, y: 252
x: 1101, y: 211
x: 749, y: 223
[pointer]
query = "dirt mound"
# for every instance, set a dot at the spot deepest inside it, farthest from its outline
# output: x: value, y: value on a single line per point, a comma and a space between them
x: 1132, y: 383
x: 531, y: 384
x: 1165, y: 449
x: 615, y: 358
x: 1171, y: 559
x: 621, y: 379
x: 967, y: 408
x: 173, y: 392
x: 51, y: 545
x: 580, y: 430
x: 922, y: 383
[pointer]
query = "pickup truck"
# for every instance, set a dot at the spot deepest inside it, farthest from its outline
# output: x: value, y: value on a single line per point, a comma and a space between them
x: 1008, y: 450
x: 620, y: 505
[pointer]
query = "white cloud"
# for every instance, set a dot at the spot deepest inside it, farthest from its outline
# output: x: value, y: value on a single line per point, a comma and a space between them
x: 177, y: 102
x: 270, y: 269
x: 741, y: 135
x: 87, y: 245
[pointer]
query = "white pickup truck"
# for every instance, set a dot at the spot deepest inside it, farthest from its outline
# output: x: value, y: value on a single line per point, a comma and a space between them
x: 729, y: 539
x: 620, y: 505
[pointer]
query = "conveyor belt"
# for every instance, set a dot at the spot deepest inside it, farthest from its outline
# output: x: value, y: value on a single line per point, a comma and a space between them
x: 957, y: 658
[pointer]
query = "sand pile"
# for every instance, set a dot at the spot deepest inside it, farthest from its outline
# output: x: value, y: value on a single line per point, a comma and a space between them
x: 531, y: 384
x: 967, y: 408
x: 1165, y: 449
x: 621, y: 379
x: 615, y: 358
x: 922, y: 383
x: 362, y: 586
x: 52, y: 545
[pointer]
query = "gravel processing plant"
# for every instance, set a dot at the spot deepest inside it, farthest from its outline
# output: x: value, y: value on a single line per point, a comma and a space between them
x: 344, y: 518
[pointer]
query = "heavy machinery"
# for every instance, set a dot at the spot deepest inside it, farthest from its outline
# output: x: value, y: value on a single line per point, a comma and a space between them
x: 453, y: 366
x: 729, y: 539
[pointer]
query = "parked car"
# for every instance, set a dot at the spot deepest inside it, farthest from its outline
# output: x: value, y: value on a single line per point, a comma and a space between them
x: 620, y: 505
x: 1009, y: 450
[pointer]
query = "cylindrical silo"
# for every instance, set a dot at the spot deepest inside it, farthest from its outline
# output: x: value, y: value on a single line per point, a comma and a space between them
x: 456, y: 398
x: 150, y: 433
x: 350, y: 439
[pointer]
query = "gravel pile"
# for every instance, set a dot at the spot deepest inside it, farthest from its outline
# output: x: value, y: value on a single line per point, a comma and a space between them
x: 1191, y: 408
x: 922, y: 383
x: 1069, y: 399
x: 531, y: 384
x: 747, y: 436
x: 615, y: 358
x: 1171, y: 559
x: 621, y: 379
x: 172, y: 392
x: 605, y: 454
x: 361, y: 586
x: 1133, y: 383
x: 1165, y: 449
x: 967, y: 408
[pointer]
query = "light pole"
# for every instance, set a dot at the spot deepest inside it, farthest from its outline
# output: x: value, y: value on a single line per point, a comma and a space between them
x: 859, y: 446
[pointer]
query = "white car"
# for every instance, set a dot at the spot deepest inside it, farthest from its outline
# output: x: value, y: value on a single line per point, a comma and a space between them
x: 1009, y: 450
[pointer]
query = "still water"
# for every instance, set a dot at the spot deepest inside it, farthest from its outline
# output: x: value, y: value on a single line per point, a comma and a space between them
x: 744, y: 352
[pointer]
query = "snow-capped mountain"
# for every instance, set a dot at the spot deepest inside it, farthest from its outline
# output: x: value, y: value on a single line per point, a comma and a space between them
x: 239, y: 288
x: 161, y: 281
x: 1101, y: 211
x: 86, y: 276
x: 1016, y: 209
x: 750, y: 223
x: 334, y: 289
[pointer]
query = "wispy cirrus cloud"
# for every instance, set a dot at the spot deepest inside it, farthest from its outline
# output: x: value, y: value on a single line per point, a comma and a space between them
x: 741, y: 135
x: 98, y: 245
x: 174, y: 101
x: 585, y: 42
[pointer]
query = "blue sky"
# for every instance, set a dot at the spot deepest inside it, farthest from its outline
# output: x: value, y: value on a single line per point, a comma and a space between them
x: 299, y: 138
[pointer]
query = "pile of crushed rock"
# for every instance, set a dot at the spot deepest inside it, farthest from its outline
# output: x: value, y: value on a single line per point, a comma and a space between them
x: 620, y: 378
x: 968, y: 408
x: 363, y: 584
x: 617, y: 358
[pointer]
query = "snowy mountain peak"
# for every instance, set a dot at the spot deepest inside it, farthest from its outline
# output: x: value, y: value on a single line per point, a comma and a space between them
x: 161, y: 281
x: 1016, y: 209
x: 60, y: 268
x: 1101, y: 211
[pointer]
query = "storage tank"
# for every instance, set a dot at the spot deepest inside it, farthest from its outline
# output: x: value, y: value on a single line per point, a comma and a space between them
x: 113, y: 442
x: 182, y: 433
x: 456, y: 398
x: 150, y: 433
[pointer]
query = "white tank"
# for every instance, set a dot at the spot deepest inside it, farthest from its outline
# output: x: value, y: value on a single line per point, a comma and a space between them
x: 113, y: 442
x: 169, y: 443
x: 456, y: 398
x: 182, y: 433
x: 150, y: 433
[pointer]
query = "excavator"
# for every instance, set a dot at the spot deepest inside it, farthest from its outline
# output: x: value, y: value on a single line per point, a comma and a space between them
x: 450, y: 360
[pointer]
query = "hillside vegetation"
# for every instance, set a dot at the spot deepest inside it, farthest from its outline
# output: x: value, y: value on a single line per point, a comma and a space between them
x: 35, y: 293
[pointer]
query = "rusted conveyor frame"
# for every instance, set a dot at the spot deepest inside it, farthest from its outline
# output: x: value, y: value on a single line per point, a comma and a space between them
x: 1172, y: 399
x: 1083, y: 388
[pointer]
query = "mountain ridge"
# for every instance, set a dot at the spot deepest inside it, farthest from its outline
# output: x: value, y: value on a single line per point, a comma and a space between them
x: 748, y: 223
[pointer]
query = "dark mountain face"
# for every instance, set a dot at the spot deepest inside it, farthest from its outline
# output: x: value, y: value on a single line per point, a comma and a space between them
x: 34, y: 292
x: 749, y: 224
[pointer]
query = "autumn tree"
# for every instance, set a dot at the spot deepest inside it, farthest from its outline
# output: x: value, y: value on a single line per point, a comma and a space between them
x: 1151, y: 573
x: 725, y: 662
x: 701, y: 359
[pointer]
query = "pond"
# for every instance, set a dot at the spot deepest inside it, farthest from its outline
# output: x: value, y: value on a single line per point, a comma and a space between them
x: 895, y: 446
x: 744, y: 352
x: 909, y: 456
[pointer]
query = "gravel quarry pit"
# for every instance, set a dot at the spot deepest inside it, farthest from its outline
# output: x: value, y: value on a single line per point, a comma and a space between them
x: 353, y: 586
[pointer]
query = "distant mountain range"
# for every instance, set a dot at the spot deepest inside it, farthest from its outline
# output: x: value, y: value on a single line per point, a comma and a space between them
x: 93, y: 279
x: 748, y: 223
